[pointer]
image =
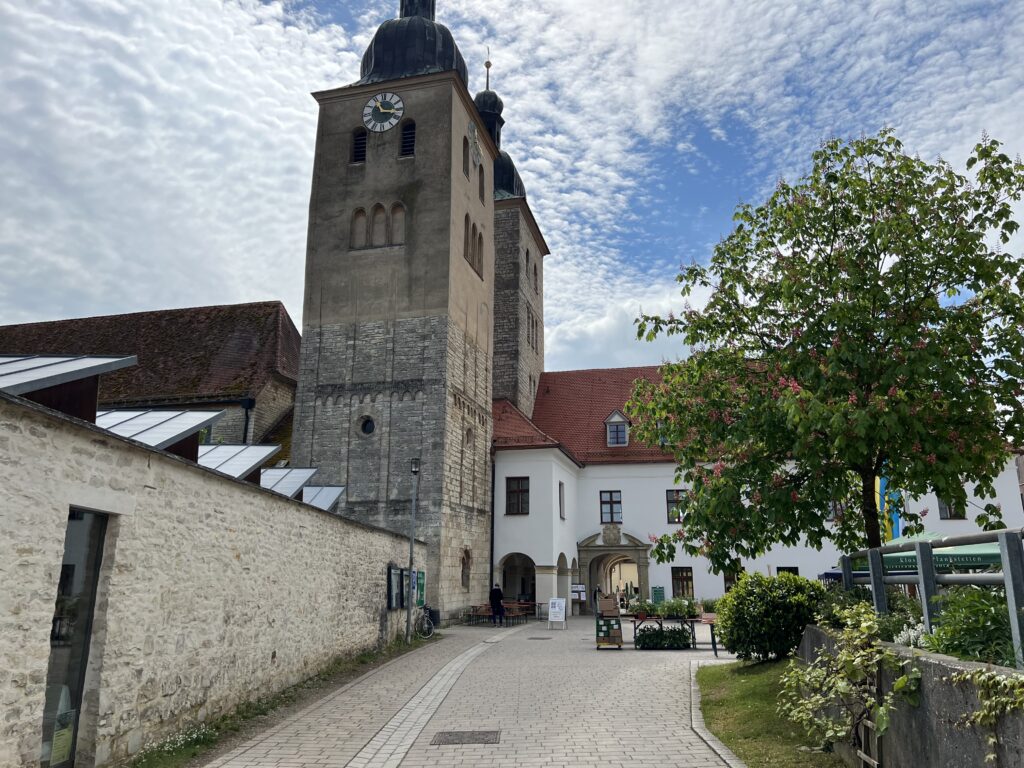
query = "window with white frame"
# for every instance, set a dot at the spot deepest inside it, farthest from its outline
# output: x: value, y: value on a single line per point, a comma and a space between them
x: 617, y: 430
x: 611, y: 507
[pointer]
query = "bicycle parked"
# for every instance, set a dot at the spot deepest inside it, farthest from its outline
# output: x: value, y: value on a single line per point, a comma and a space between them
x: 424, y: 626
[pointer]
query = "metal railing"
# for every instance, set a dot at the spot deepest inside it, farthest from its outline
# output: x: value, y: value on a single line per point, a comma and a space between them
x: 928, y: 581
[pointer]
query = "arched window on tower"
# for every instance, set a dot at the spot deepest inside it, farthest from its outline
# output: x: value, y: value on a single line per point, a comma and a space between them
x: 472, y: 248
x: 465, y: 156
x: 467, y: 567
x: 378, y: 226
x: 357, y: 237
x: 408, y: 139
x: 466, y: 244
x: 398, y: 224
x: 359, y: 145
x: 536, y: 280
x: 480, y: 254
x: 482, y: 185
x: 527, y: 272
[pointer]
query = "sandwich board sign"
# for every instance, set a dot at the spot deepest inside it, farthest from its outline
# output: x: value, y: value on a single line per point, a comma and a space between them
x: 556, y: 612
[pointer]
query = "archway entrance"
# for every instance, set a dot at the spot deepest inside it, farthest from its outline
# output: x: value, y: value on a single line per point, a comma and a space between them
x: 610, y: 556
x: 518, y: 577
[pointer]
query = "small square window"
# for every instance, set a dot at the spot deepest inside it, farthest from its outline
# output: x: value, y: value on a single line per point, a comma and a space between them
x: 947, y: 512
x: 617, y: 434
x: 611, y: 507
x: 517, y: 496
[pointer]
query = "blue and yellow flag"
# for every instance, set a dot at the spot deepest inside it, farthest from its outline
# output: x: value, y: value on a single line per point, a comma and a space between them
x: 889, y: 502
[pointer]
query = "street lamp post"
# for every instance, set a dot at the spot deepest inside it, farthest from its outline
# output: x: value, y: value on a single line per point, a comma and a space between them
x: 415, y: 467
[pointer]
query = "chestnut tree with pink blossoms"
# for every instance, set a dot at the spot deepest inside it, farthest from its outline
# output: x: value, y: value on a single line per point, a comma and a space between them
x: 865, y: 321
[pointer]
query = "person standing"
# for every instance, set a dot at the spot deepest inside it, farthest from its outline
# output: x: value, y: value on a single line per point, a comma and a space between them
x: 497, y: 607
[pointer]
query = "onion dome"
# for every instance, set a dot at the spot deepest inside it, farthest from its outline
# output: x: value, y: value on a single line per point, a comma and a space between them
x: 507, y: 183
x: 412, y: 45
x: 490, y: 107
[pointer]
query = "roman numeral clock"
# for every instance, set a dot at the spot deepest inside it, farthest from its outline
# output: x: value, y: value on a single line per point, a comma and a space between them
x: 382, y: 112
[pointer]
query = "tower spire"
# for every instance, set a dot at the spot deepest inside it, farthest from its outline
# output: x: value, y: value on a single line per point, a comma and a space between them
x: 424, y: 8
x: 488, y: 65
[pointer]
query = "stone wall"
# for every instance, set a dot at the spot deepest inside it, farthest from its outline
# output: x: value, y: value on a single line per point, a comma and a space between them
x: 212, y: 592
x: 273, y: 402
x: 930, y: 734
x: 518, y: 298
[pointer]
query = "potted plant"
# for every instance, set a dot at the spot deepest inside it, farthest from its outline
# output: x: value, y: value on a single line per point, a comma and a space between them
x: 642, y: 609
x: 708, y: 606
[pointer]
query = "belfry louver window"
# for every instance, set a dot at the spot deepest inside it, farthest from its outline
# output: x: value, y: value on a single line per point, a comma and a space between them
x: 359, y: 145
x: 408, y: 139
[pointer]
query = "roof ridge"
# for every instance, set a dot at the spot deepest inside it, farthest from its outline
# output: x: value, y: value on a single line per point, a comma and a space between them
x: 277, y: 303
x: 602, y: 370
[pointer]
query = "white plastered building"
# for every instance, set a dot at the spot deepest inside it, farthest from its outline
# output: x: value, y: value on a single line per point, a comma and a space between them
x: 576, y: 498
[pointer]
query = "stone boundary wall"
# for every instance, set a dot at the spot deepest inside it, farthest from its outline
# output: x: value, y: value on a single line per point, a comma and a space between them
x: 930, y: 734
x: 212, y: 592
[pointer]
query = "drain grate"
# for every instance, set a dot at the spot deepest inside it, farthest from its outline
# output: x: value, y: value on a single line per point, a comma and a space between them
x: 466, y: 737
x: 538, y: 638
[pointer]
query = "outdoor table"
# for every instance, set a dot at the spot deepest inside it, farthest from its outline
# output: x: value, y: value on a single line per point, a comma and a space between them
x: 690, y: 623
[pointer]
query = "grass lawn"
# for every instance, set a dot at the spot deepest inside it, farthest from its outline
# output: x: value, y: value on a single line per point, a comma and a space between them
x: 738, y: 701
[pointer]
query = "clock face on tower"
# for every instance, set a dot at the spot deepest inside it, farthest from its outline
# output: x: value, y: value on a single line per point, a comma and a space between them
x: 383, y: 111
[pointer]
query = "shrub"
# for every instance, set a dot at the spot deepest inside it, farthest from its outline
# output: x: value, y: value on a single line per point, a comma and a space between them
x: 974, y: 625
x: 904, y: 611
x: 764, y: 617
x: 830, y: 696
x: 668, y: 639
x: 709, y: 604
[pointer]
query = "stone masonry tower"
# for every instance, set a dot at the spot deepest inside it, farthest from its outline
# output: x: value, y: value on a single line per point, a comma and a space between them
x: 519, y: 251
x: 398, y: 317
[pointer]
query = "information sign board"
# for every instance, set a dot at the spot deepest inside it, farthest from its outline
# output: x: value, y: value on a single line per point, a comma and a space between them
x: 556, y: 611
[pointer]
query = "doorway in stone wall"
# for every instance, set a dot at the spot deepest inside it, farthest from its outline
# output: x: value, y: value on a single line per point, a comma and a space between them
x: 604, y: 557
x: 71, y: 636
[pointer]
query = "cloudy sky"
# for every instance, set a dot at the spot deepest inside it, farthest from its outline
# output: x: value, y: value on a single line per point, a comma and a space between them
x: 157, y: 153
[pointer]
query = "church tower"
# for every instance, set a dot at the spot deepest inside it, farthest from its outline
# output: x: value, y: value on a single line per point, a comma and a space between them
x: 519, y: 249
x: 397, y: 337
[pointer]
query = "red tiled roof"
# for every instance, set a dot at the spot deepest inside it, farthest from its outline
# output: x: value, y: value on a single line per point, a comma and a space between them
x: 513, y: 429
x: 203, y: 353
x: 572, y: 407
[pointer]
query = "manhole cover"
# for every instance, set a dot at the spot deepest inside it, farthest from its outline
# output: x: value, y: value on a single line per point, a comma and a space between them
x: 466, y: 737
x: 538, y: 638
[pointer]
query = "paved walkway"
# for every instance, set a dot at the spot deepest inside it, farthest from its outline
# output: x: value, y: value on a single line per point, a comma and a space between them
x: 556, y: 701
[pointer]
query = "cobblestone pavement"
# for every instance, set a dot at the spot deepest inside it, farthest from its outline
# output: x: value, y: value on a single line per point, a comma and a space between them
x: 556, y: 702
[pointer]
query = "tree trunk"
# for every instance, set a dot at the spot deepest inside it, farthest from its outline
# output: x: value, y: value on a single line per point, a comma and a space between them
x: 869, y: 509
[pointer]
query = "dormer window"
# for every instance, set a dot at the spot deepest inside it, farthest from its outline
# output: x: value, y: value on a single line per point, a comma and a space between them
x: 617, y: 430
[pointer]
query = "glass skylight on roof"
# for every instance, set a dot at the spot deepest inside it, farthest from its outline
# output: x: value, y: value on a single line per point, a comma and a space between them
x: 322, y: 496
x: 20, y: 374
x: 238, y: 461
x: 286, y: 481
x: 157, y: 429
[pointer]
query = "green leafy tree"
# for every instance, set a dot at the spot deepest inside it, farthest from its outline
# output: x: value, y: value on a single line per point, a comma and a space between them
x: 865, y: 321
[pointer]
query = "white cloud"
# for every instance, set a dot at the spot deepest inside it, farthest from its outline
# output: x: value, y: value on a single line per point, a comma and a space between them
x: 158, y: 152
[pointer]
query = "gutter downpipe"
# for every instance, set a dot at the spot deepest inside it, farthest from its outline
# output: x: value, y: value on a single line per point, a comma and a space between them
x: 490, y: 573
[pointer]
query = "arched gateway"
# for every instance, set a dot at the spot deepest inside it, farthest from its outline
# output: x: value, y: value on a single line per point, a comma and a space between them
x: 602, y: 551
